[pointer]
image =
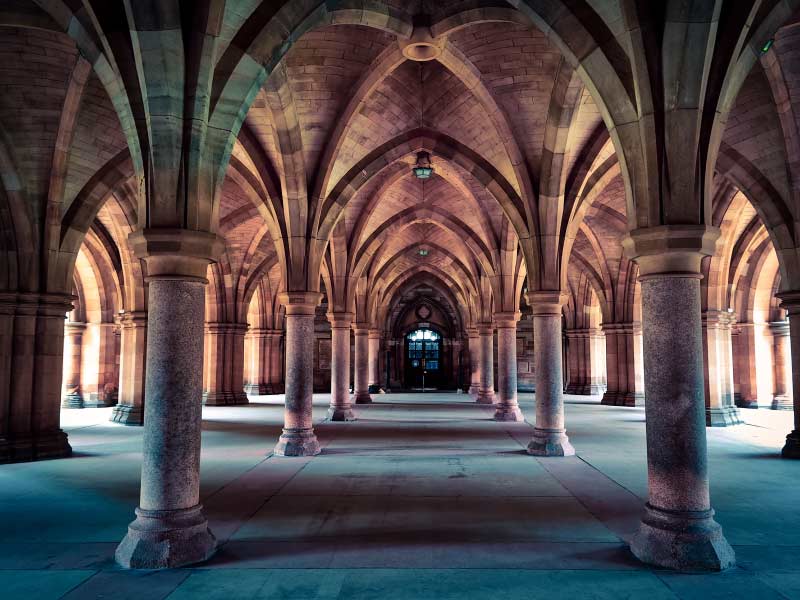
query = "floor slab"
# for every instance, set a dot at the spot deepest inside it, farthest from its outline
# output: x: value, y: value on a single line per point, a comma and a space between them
x: 425, y: 496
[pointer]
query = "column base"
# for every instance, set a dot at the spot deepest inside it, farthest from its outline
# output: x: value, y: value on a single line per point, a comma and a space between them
x: 684, y: 541
x: 485, y: 397
x: 782, y: 402
x: 95, y: 400
x: 574, y: 389
x: 474, y: 390
x: 297, y: 442
x: 339, y: 413
x: 166, y: 539
x: 257, y: 389
x: 508, y: 413
x: 41, y: 447
x: 362, y: 398
x: 596, y: 389
x: 723, y: 416
x: 127, y: 414
x: 225, y: 398
x: 792, y: 447
x: 550, y: 442
x: 744, y: 402
x: 72, y: 400
x: 629, y: 399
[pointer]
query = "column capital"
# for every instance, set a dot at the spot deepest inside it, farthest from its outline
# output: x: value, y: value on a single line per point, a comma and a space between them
x: 340, y: 320
x: 486, y: 328
x: 779, y: 328
x: 506, y: 320
x: 790, y: 301
x: 361, y: 328
x: 132, y: 318
x: 375, y: 334
x: 670, y: 249
x: 176, y: 253
x: 300, y: 303
x: 472, y: 332
x: 217, y: 327
x: 546, y: 302
x: 74, y: 327
x: 718, y: 318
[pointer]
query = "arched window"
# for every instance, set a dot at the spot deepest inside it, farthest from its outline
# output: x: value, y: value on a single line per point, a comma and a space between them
x: 423, y: 349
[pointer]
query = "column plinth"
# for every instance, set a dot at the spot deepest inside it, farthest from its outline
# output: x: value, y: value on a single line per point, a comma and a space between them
x: 361, y: 393
x: 486, y: 389
x: 507, y: 406
x: 549, y: 434
x: 298, y: 437
x: 341, y: 408
x: 678, y: 530
x: 170, y: 529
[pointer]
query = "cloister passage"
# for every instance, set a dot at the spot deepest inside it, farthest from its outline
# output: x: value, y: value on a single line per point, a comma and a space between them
x: 574, y: 224
x: 424, y: 497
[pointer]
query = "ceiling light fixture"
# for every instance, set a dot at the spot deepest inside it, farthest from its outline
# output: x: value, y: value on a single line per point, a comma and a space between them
x: 422, y: 168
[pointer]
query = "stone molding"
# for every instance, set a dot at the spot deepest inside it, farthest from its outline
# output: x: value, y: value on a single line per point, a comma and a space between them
x: 546, y: 302
x: 670, y: 249
x: 176, y: 253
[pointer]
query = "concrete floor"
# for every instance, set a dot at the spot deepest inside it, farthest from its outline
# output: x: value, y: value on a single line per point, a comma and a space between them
x: 423, y: 497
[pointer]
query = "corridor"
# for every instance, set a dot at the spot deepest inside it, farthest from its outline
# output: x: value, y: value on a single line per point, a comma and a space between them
x: 423, y: 497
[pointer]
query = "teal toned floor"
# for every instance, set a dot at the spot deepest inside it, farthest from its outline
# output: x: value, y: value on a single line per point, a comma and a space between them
x: 423, y: 497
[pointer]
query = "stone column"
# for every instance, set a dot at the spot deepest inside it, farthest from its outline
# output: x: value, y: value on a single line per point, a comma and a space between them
x: 621, y: 366
x: 507, y: 407
x: 276, y: 361
x: 374, y: 342
x: 341, y: 408
x: 223, y: 371
x: 579, y: 358
x: 474, y: 361
x: 130, y: 405
x: 298, y: 437
x: 597, y: 365
x: 745, y: 370
x: 486, y: 391
x: 361, y: 375
x: 31, y: 367
x: 791, y: 302
x: 72, y: 396
x: 782, y: 391
x: 256, y: 362
x: 170, y: 529
x: 678, y: 530
x: 549, y: 434
x: 718, y: 371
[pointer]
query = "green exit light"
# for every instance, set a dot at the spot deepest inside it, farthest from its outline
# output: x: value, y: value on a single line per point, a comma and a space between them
x: 767, y: 45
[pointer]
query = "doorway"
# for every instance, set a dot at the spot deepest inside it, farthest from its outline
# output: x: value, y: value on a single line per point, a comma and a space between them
x: 423, y: 352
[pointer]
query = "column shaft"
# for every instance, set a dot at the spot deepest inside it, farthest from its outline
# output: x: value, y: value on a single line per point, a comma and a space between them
x: 791, y: 302
x: 507, y: 407
x: 341, y: 408
x: 72, y: 396
x: 718, y: 370
x: 549, y: 434
x: 374, y: 360
x: 474, y: 362
x: 361, y: 374
x: 170, y: 529
x: 298, y: 438
x: 133, y: 351
x: 486, y: 391
x: 782, y: 365
x: 223, y: 371
x: 678, y: 530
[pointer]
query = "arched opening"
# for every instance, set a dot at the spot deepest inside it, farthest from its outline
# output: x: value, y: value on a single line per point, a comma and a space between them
x: 424, y: 367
